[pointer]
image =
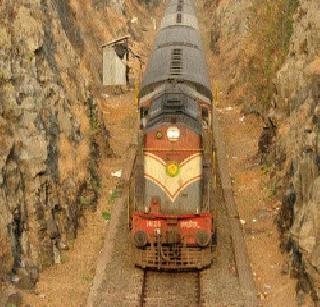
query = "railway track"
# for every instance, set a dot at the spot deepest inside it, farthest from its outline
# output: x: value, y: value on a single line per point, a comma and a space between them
x: 228, y: 282
x: 170, y: 289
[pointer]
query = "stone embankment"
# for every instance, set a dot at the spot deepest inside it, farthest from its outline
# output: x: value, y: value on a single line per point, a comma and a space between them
x: 48, y: 157
x: 45, y: 144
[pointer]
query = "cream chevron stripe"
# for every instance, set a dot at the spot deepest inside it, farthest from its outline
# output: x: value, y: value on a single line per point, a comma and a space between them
x: 155, y: 171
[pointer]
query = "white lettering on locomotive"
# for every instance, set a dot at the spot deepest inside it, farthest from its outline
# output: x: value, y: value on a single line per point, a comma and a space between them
x: 154, y: 224
x: 189, y: 224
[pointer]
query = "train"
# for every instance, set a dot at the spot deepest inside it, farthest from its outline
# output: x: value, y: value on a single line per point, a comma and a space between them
x: 171, y: 192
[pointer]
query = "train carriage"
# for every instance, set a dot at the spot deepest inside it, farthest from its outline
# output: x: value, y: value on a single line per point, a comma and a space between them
x: 172, y: 225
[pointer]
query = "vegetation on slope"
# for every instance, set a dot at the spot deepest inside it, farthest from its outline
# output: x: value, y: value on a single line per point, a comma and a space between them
x: 269, y: 31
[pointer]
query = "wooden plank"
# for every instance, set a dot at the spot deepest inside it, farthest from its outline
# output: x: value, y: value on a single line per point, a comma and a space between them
x: 246, y: 281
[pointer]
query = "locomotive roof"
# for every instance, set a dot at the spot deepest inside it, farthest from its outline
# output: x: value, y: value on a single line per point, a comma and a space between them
x: 178, y: 52
x: 178, y: 35
x: 176, y: 6
x: 183, y: 20
x: 191, y: 67
x: 173, y: 102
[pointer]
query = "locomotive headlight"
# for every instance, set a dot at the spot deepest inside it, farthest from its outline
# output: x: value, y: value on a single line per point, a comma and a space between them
x: 173, y: 133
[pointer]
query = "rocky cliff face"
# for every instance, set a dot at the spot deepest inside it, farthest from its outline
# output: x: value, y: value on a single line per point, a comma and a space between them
x: 45, y: 135
x: 294, y: 148
x: 297, y: 113
x: 51, y: 128
x: 229, y: 28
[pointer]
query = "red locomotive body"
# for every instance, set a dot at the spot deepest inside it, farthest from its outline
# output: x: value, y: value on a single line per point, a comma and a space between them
x: 171, y: 203
x: 172, y: 221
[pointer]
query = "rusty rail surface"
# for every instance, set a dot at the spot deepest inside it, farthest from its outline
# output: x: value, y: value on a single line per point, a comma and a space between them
x: 246, y: 281
x: 118, y: 209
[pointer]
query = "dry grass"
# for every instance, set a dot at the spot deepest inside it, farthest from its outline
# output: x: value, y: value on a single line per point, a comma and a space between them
x: 6, y: 261
x: 266, y: 47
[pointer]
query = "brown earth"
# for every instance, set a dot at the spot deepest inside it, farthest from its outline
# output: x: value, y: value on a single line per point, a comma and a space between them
x: 257, y: 207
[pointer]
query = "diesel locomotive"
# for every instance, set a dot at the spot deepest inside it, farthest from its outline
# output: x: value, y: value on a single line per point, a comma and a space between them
x: 172, y: 224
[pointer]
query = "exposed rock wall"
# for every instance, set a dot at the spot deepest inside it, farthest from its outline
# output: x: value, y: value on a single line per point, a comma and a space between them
x: 51, y: 129
x: 229, y: 28
x: 45, y: 135
x: 295, y: 148
x: 297, y: 114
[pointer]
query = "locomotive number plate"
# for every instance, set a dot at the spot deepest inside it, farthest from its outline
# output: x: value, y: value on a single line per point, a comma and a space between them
x: 154, y: 224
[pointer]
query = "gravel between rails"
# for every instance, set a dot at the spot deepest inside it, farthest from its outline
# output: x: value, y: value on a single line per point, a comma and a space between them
x: 170, y: 289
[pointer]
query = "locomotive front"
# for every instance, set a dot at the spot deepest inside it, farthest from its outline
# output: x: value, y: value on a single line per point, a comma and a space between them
x: 170, y: 195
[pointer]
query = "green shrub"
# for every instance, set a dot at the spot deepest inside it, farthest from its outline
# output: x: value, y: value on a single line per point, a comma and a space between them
x: 265, y: 169
x: 274, y: 187
x: 113, y: 196
x: 106, y: 216
x: 83, y: 200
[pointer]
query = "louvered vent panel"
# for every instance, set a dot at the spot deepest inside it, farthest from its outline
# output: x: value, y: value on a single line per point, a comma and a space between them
x: 180, y: 5
x: 179, y: 19
x: 176, y: 64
